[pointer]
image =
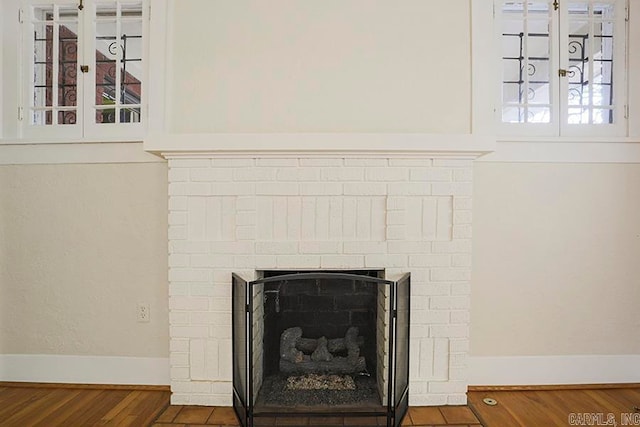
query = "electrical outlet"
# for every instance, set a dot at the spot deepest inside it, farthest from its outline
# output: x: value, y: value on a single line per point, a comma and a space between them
x: 143, y: 312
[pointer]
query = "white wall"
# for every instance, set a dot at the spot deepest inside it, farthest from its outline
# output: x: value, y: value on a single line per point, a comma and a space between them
x: 80, y: 246
x: 320, y: 66
x: 555, y: 263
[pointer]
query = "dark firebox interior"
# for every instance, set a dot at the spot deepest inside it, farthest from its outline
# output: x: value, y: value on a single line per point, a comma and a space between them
x: 321, y: 307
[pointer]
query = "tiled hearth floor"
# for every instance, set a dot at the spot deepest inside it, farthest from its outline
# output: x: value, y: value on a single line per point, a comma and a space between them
x: 192, y: 416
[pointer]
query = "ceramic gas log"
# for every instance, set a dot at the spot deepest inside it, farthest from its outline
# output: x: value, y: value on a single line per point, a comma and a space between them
x: 323, y: 357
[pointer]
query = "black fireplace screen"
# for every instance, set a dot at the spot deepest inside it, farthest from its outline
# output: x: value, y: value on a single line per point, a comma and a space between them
x: 320, y: 344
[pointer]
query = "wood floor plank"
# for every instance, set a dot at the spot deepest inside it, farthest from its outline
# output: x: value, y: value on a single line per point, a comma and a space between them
x: 169, y: 414
x: 39, y: 410
x: 458, y: 415
x: 20, y: 398
x: 223, y: 416
x: 194, y: 414
x: 426, y: 415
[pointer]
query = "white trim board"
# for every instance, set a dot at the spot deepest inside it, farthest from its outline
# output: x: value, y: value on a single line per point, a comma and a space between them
x: 34, y: 154
x: 49, y: 368
x: 553, y: 370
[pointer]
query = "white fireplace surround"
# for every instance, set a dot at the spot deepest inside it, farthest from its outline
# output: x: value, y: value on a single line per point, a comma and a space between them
x: 242, y: 212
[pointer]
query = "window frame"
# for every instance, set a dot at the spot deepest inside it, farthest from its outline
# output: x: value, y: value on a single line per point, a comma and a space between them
x: 558, y: 128
x: 85, y: 129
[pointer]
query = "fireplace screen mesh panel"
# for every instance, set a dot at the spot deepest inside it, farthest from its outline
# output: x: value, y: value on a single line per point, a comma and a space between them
x: 320, y: 344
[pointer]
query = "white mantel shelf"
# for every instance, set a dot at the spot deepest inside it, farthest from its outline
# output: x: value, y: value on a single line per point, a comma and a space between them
x: 320, y: 145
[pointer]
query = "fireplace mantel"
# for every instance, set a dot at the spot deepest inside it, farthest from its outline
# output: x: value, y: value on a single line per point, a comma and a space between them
x: 329, y: 144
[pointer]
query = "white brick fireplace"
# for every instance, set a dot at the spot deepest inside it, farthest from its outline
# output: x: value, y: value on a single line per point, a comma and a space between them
x: 243, y: 213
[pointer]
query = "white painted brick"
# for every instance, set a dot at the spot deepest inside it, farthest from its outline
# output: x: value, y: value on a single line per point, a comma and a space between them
x: 427, y: 317
x: 232, y: 163
x: 181, y: 386
x: 321, y: 162
x: 298, y: 174
x: 431, y: 289
x: 201, y: 387
x: 450, y: 274
x: 448, y: 387
x: 420, y: 331
x: 188, y: 303
x: 449, y: 331
x: 459, y: 346
x: 246, y: 203
x: 463, y: 175
x: 179, y: 318
x: 409, y: 247
x: 459, y: 360
x: 198, y: 189
x: 430, y: 175
x: 452, y: 189
x: 260, y: 262
x: 365, y: 189
x: 367, y: 247
x: 232, y: 247
x: 202, y: 290
x: 462, y: 232
x: 278, y: 162
x: 396, y: 218
x: 440, y: 357
x: 216, y: 260
x: 418, y: 387
x: 461, y: 260
x: 425, y: 369
x: 246, y: 232
x: 189, y: 163
x: 179, y: 345
x: 277, y: 189
x: 179, y: 373
x: 220, y: 332
x: 454, y: 246
x: 410, y: 162
x: 430, y: 260
x: 233, y: 188
x: 462, y: 217
x: 177, y: 232
x: 204, y: 359
x: 276, y: 248
x: 463, y: 203
x: 210, y: 317
x: 178, y: 203
x: 457, y: 398
x: 189, y: 331
x: 365, y: 162
x: 179, y: 359
x: 320, y: 247
x: 430, y: 399
x: 225, y: 364
x: 178, y: 175
x: 220, y: 304
x: 210, y: 174
x: 222, y: 387
x: 386, y: 174
x: 409, y: 189
x: 387, y: 260
x: 342, y: 261
x: 298, y: 261
x: 178, y: 289
x: 178, y: 260
x: 396, y: 203
x: 320, y: 189
x: 189, y: 275
x: 177, y: 218
x: 342, y: 174
x: 395, y: 232
x: 177, y: 189
x: 255, y: 174
x: 460, y: 316
x: 449, y: 302
x: 461, y: 288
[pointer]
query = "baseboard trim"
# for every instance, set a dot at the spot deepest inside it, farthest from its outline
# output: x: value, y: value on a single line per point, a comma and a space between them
x: 86, y: 370
x: 72, y: 386
x: 552, y: 387
x: 554, y: 370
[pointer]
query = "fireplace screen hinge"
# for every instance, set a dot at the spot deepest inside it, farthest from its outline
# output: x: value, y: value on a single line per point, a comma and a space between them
x: 246, y: 308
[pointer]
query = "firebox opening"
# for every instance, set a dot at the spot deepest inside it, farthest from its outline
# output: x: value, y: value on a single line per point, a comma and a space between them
x: 322, y: 340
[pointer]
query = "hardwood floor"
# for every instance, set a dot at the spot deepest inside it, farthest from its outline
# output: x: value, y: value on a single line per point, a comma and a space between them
x: 525, y: 408
x: 47, y: 405
x: 70, y: 405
